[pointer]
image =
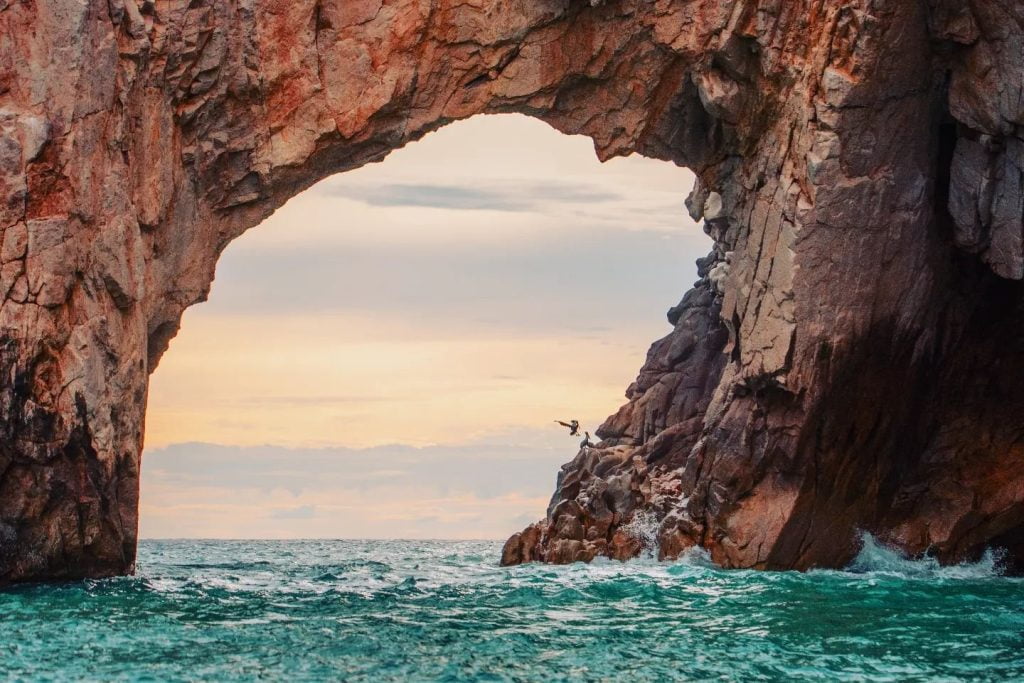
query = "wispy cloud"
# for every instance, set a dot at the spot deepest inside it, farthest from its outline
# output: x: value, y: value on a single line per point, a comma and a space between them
x: 503, y: 195
x: 570, y: 280
x: 467, y: 468
x: 478, y: 491
x: 298, y: 512
x: 317, y: 400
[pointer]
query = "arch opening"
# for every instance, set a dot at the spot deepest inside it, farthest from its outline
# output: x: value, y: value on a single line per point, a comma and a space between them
x: 385, y: 355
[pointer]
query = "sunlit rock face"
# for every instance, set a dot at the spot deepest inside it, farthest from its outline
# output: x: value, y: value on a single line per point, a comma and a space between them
x: 849, y: 360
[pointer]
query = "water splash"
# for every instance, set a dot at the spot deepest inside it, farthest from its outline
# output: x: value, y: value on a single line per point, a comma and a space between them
x: 877, y: 558
x: 694, y: 561
x: 644, y: 528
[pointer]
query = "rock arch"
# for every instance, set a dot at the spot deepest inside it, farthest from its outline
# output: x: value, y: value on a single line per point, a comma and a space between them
x: 847, y: 361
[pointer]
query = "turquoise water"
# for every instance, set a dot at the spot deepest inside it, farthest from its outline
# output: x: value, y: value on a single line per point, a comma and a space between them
x: 405, y: 610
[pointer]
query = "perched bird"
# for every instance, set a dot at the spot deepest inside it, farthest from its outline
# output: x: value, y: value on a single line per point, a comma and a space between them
x: 586, y: 443
x: 574, y: 426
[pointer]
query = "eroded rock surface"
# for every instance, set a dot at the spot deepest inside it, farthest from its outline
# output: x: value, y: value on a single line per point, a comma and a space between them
x: 849, y: 360
x: 873, y: 301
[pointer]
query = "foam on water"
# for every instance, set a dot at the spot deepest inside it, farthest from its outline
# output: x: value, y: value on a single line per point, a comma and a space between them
x: 423, y: 611
x: 877, y: 558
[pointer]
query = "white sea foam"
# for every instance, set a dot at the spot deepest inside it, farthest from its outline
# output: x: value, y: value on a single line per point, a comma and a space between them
x: 696, y: 556
x: 644, y: 528
x: 877, y: 558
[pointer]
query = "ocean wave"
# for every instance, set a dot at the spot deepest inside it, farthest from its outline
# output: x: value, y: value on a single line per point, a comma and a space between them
x: 398, y: 611
x: 875, y: 557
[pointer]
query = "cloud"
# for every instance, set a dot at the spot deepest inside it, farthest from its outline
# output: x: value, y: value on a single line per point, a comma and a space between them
x: 483, y: 469
x: 594, y: 280
x: 431, y: 196
x: 317, y: 400
x: 299, y: 512
x: 479, y: 491
x: 497, y: 195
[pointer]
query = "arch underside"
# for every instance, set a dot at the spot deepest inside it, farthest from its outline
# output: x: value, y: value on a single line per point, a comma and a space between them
x: 847, y: 362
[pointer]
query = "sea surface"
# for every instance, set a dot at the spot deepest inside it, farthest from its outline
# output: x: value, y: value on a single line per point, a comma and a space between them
x: 444, y: 611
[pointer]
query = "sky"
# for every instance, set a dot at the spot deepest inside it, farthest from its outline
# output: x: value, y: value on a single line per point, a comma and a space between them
x: 385, y: 355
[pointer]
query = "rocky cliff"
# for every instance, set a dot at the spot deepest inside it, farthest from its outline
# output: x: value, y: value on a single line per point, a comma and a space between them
x: 848, y: 361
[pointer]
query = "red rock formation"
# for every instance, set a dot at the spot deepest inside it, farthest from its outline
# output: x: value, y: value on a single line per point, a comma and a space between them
x: 848, y: 361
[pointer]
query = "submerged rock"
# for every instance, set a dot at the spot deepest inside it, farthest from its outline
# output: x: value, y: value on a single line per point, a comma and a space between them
x: 854, y: 367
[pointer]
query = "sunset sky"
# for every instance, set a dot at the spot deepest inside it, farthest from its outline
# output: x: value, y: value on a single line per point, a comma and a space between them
x: 385, y: 355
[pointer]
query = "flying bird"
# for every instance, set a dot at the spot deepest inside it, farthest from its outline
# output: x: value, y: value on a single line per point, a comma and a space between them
x: 573, y: 425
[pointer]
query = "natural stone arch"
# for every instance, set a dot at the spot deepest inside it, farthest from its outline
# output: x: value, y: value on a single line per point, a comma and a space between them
x: 805, y: 392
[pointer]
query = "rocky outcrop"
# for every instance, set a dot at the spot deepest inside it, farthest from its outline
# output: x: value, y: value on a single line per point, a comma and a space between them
x: 867, y: 269
x: 607, y: 499
x: 848, y: 360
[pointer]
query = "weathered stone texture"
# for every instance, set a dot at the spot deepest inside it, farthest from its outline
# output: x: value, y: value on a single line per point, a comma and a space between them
x: 847, y: 361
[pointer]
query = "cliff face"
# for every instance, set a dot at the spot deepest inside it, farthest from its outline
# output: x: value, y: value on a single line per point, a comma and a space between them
x: 849, y: 359
x: 871, y: 300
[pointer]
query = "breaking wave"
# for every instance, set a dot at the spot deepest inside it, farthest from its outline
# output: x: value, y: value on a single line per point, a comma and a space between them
x: 877, y: 558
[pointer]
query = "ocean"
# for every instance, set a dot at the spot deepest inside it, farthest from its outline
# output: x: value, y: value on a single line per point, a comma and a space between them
x: 444, y: 611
